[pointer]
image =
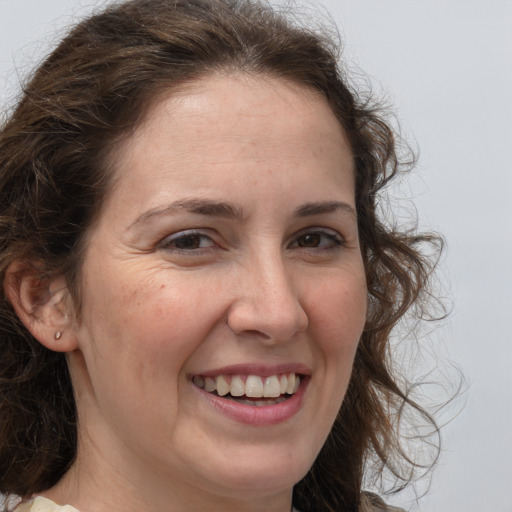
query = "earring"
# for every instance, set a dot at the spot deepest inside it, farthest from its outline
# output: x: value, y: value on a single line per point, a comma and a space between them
x: 57, y: 335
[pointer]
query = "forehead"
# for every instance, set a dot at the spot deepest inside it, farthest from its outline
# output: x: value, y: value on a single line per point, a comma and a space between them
x: 213, y: 129
x: 220, y: 104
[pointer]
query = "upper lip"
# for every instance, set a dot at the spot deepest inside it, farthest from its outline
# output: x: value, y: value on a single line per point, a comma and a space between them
x: 261, y: 370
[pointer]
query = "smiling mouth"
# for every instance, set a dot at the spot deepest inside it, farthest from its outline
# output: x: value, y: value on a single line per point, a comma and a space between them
x: 251, y: 389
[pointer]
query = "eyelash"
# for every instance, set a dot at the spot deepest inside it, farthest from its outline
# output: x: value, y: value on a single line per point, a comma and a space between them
x: 169, y: 243
x: 333, y: 241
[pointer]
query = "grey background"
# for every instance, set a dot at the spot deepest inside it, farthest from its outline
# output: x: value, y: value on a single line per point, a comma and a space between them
x: 446, y: 68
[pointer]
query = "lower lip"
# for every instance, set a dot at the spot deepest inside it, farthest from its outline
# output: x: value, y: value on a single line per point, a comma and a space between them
x: 260, y: 416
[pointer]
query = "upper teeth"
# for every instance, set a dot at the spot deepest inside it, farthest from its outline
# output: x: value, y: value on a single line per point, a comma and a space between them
x: 250, y: 385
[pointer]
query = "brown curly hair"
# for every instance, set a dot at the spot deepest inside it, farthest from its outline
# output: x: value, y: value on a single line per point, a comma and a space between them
x: 54, y: 162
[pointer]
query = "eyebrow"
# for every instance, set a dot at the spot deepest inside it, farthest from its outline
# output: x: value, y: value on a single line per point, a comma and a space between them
x: 199, y: 206
x: 230, y: 211
x: 309, y: 209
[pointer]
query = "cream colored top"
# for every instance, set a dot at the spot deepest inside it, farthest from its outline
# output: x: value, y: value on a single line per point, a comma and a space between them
x: 41, y: 504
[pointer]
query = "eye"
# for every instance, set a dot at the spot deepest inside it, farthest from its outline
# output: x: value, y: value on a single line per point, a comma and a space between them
x: 318, y: 239
x: 187, y: 241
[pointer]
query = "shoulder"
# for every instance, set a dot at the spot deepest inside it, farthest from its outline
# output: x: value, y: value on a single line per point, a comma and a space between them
x: 41, y: 504
x: 372, y: 503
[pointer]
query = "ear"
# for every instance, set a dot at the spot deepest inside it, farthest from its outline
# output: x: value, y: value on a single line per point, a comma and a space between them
x: 42, y: 304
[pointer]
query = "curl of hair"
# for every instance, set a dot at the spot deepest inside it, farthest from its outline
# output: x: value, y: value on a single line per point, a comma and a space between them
x: 54, y: 162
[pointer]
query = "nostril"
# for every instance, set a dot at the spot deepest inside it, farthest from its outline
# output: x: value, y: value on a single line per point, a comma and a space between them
x: 257, y: 334
x: 249, y: 333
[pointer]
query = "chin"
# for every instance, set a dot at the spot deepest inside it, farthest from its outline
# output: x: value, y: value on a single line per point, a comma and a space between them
x: 268, y: 475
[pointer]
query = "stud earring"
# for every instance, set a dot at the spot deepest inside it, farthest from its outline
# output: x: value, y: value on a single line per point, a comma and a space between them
x: 58, y: 335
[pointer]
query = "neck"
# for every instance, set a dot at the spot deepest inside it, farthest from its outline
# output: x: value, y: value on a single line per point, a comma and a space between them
x: 104, y: 489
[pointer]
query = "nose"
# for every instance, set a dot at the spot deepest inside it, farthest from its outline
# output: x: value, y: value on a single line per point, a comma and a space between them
x: 267, y: 304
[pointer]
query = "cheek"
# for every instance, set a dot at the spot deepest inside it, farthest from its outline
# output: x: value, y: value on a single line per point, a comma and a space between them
x: 154, y: 315
x: 337, y: 319
x: 338, y: 312
x: 137, y: 336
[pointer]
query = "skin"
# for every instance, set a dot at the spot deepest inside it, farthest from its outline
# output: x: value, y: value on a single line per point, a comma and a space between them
x: 265, y: 287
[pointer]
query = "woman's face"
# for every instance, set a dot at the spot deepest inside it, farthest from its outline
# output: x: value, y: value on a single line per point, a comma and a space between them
x: 225, y: 261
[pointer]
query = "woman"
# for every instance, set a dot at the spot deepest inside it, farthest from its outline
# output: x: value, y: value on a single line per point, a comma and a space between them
x: 198, y: 293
